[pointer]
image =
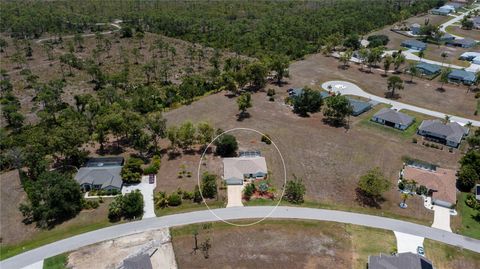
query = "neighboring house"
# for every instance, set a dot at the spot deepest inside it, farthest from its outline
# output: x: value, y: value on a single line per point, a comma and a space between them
x: 399, y: 261
x: 393, y: 118
x: 462, y: 76
x: 141, y: 261
x: 477, y: 192
x: 439, y: 11
x: 101, y: 174
x: 450, y: 134
x: 450, y: 8
x: 295, y: 92
x: 470, y: 56
x: 248, y: 166
x: 358, y: 107
x: 462, y: 43
x: 415, y: 28
x: 428, y: 69
x: 476, y: 22
x: 414, y: 44
x: 441, y: 182
x: 447, y: 37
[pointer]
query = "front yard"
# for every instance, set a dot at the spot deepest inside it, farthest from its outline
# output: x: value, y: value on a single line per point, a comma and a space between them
x: 469, y: 225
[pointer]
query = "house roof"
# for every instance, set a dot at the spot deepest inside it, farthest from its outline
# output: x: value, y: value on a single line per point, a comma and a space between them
x: 295, y: 92
x: 464, y: 41
x: 462, y: 75
x: 447, y: 36
x: 399, y: 261
x: 441, y: 11
x: 104, y: 161
x: 141, y: 261
x: 470, y: 54
x: 429, y: 67
x: 452, y: 130
x: 394, y: 116
x: 442, y: 180
x: 414, y: 43
x: 415, y: 25
x: 358, y: 106
x: 104, y: 176
x: 236, y: 168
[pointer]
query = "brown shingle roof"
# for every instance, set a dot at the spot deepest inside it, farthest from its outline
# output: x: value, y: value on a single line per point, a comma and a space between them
x: 442, y: 180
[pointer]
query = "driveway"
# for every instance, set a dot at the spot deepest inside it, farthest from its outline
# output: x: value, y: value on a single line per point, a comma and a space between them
x: 348, y: 88
x: 147, y: 191
x: 441, y: 218
x: 234, y: 193
x: 248, y: 212
x: 408, y: 242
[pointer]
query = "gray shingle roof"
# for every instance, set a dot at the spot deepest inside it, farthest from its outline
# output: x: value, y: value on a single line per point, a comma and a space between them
x: 414, y: 43
x: 462, y: 75
x: 452, y: 130
x: 432, y: 68
x: 358, y: 106
x: 141, y: 261
x: 394, y: 116
x: 104, y: 176
x: 399, y: 261
x: 464, y: 41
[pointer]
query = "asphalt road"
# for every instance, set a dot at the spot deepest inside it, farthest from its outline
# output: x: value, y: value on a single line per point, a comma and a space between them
x: 348, y: 88
x: 233, y: 213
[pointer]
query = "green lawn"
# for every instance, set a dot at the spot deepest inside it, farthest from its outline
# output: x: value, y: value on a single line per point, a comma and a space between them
x: 444, y: 256
x: 56, y: 262
x: 470, y: 227
x: 187, y: 206
x: 49, y: 236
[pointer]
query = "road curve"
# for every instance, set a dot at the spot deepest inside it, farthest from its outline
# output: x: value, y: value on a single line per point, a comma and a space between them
x: 233, y: 213
x: 348, y: 88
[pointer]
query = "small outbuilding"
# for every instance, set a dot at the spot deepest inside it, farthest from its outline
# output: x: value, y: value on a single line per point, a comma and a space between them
x: 462, y: 76
x: 428, y: 69
x: 393, y: 118
x: 414, y: 44
x: 462, y: 43
x: 359, y: 107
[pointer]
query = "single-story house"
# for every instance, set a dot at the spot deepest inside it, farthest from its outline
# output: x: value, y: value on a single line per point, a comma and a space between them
x: 415, y: 28
x: 447, y: 37
x: 101, y: 174
x: 414, y: 44
x: 295, y: 92
x: 448, y: 7
x: 246, y: 167
x: 428, y: 69
x: 140, y: 261
x: 462, y: 76
x: 450, y: 134
x: 462, y: 43
x: 441, y: 182
x: 399, y: 261
x: 393, y: 118
x: 359, y: 107
x: 440, y: 11
x: 477, y: 192
x: 476, y: 22
x: 471, y: 56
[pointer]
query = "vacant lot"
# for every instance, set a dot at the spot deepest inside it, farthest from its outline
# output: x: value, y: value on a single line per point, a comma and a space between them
x: 316, y: 69
x: 457, y: 30
x: 449, y: 257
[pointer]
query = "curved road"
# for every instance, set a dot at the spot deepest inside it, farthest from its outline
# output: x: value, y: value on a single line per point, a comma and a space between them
x: 348, y: 88
x: 232, y: 213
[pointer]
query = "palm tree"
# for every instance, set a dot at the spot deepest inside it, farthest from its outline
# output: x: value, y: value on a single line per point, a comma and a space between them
x: 398, y: 60
x: 345, y: 57
x: 413, y: 71
x: 421, y: 54
x: 404, y: 197
x: 394, y: 83
x: 387, y: 62
x: 444, y: 56
x: 444, y: 76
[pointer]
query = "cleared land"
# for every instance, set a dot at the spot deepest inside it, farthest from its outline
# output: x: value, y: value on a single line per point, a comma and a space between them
x: 457, y: 30
x: 447, y: 257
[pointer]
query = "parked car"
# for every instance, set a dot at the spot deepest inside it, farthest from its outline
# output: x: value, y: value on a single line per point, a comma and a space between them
x: 420, y: 251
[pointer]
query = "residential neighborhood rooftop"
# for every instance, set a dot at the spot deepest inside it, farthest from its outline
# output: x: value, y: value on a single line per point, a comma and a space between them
x: 430, y: 68
x: 441, y: 180
x: 104, y: 177
x: 462, y: 75
x: 399, y: 261
x: 452, y: 131
x: 394, y: 116
x: 238, y: 167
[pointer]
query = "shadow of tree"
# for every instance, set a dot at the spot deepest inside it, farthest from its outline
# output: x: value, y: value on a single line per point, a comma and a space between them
x: 367, y: 200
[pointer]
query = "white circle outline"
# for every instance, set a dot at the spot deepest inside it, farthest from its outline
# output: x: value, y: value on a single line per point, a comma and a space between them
x: 200, y: 189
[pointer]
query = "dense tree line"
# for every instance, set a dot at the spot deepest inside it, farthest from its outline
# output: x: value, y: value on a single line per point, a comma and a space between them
x: 252, y: 27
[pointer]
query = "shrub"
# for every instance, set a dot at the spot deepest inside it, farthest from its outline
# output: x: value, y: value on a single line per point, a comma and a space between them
x: 471, y: 201
x: 90, y: 204
x: 187, y: 195
x: 160, y: 199
x: 467, y: 176
x: 174, y: 199
x: 209, y: 185
x: 197, y: 197
x: 414, y: 140
x: 294, y: 191
x: 422, y: 190
x: 132, y: 205
x: 132, y: 171
x: 270, y: 92
x: 226, y: 145
x: 266, y: 139
x: 401, y: 185
x: 248, y: 191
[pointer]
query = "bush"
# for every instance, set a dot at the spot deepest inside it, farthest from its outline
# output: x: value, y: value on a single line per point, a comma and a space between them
x: 270, y: 92
x: 187, y: 195
x: 132, y: 205
x: 90, y: 204
x: 467, y: 177
x: 248, y: 191
x: 150, y: 170
x: 266, y: 139
x: 132, y: 171
x: 209, y: 185
x: 174, y: 199
x: 422, y: 190
x: 294, y: 191
x: 197, y: 197
x: 401, y: 185
x: 414, y: 140
x: 471, y: 201
x: 226, y: 145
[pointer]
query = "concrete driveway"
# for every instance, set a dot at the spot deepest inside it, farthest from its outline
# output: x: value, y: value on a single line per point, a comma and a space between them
x: 234, y: 193
x: 441, y: 219
x: 348, y: 88
x: 408, y: 242
x: 147, y: 190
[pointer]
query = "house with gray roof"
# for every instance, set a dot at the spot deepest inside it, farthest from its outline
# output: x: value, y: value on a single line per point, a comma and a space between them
x: 101, y: 174
x: 414, y: 44
x: 393, y: 118
x: 141, y: 261
x: 296, y: 92
x: 428, y: 69
x: 471, y: 56
x: 399, y: 261
x: 450, y: 134
x: 415, y: 28
x: 462, y: 43
x: 462, y: 76
x: 440, y: 11
x: 476, y: 22
x: 447, y: 37
x: 358, y: 107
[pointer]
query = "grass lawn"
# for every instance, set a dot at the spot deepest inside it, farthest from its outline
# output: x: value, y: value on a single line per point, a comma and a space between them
x: 56, y: 262
x: 49, y: 236
x: 407, y: 134
x: 470, y: 227
x: 188, y: 207
x: 444, y: 256
x: 369, y: 241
